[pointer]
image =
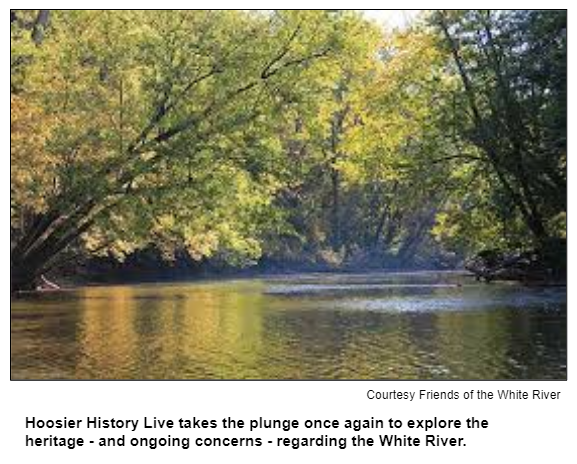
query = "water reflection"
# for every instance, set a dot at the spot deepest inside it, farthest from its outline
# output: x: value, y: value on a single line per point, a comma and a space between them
x: 314, y: 327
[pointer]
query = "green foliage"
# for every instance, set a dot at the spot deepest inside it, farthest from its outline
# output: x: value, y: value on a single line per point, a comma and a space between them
x: 512, y: 68
x: 302, y: 136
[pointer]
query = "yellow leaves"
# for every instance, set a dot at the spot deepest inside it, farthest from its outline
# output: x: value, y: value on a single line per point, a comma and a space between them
x: 477, y: 227
x: 31, y: 165
x: 444, y: 229
x: 27, y: 123
x: 105, y: 80
x: 397, y: 107
x: 412, y: 69
x: 201, y: 244
x: 166, y: 221
x: 222, y: 237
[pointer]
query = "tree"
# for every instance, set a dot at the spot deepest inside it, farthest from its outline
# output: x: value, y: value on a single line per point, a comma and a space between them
x: 301, y: 136
x: 512, y: 68
x: 153, y: 116
x: 402, y: 157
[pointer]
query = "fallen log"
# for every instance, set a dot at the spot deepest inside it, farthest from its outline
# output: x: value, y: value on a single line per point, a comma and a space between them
x: 491, y: 265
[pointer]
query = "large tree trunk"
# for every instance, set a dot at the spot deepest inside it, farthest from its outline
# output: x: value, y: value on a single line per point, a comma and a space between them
x: 23, y: 278
x: 40, y: 26
x: 41, y: 245
x: 336, y: 209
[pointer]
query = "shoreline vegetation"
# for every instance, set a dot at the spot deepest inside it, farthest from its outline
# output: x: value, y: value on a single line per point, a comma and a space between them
x: 513, y: 269
x: 173, y: 144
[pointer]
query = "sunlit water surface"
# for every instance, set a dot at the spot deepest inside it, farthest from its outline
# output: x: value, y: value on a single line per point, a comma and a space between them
x: 377, y: 326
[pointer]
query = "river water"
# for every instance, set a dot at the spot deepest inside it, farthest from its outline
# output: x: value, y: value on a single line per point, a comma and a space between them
x: 376, y: 326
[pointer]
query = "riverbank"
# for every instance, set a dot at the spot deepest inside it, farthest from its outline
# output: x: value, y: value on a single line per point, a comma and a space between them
x: 450, y: 278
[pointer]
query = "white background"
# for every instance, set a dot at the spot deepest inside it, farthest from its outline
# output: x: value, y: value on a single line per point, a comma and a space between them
x: 519, y: 430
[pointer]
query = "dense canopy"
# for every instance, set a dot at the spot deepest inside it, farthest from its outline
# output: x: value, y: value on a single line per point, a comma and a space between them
x: 290, y: 138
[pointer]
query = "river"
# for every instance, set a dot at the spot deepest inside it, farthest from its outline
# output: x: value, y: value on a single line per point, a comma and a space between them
x: 372, y: 326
